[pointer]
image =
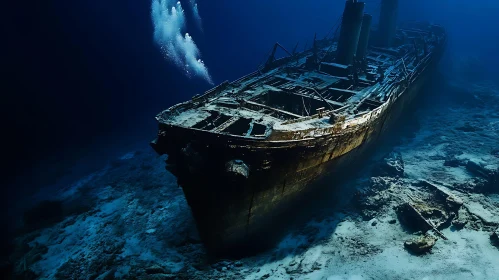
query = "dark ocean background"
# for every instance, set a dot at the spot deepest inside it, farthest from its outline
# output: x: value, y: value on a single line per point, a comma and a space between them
x: 83, y: 80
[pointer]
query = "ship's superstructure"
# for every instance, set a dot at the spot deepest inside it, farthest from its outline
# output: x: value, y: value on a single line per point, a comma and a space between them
x: 245, y: 151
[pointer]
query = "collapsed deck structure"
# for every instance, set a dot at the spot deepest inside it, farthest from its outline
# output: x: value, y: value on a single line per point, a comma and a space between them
x: 246, y: 151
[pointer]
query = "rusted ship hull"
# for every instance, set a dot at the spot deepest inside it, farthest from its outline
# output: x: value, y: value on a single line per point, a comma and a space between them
x: 235, y: 212
x: 247, y: 152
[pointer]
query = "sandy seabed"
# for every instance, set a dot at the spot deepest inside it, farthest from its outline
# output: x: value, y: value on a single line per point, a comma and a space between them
x: 131, y: 221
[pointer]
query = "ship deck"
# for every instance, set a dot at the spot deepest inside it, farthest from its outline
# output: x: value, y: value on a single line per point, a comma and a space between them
x: 290, y: 97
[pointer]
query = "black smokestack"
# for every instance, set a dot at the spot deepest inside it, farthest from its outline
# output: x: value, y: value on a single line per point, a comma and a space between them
x: 387, y: 22
x: 365, y: 31
x: 350, y: 31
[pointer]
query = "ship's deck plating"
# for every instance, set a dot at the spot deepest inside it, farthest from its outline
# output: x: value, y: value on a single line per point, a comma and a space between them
x: 292, y: 98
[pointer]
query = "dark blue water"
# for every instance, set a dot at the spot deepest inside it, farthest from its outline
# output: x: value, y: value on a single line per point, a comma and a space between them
x: 87, y: 75
x: 83, y: 80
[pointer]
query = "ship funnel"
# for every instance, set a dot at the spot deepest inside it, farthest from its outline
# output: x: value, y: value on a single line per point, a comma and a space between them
x: 365, y: 31
x: 350, y: 31
x: 387, y: 22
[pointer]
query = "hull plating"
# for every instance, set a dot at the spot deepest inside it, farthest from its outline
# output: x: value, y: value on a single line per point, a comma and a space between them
x: 235, y: 213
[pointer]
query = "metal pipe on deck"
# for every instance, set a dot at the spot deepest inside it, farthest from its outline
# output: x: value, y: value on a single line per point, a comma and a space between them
x: 350, y: 31
x: 387, y: 22
x: 365, y: 32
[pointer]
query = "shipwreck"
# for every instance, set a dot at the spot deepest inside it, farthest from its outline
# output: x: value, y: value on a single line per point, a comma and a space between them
x: 247, y: 151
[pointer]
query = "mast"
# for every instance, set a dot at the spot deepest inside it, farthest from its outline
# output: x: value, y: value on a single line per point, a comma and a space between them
x: 271, y: 59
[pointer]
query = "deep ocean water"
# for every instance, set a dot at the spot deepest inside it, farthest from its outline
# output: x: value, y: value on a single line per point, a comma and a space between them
x: 108, y: 209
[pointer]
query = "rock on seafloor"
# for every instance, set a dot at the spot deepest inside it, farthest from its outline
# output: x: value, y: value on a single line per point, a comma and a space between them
x: 392, y: 165
x: 420, y: 245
